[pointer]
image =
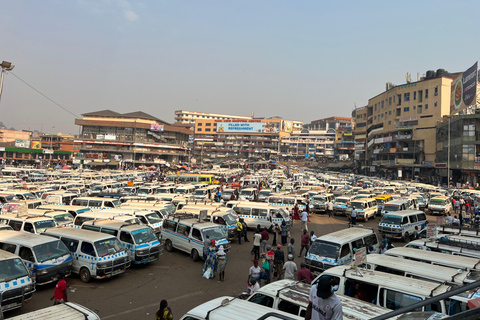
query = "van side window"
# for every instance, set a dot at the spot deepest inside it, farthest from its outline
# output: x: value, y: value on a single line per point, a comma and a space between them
x: 421, y: 217
x: 126, y: 237
x: 345, y: 250
x: 255, y: 212
x: 143, y: 220
x: 289, y: 201
x: 92, y: 228
x: 80, y: 202
x: 95, y: 203
x: 405, y: 220
x: 71, y: 244
x: 8, y: 247
x: 26, y: 254
x: 16, y: 225
x: 370, y: 240
x: 80, y: 220
x: 263, y: 212
x: 358, y: 244
x: 183, y: 230
x: 87, y: 248
x: 262, y: 299
x: 170, y: 225
x: 108, y: 204
x: 395, y: 300
x: 289, y: 307
x: 28, y: 227
x: 413, y: 218
x: 197, y: 234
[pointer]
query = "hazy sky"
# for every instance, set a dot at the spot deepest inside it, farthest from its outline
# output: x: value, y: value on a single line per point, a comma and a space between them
x: 301, y: 60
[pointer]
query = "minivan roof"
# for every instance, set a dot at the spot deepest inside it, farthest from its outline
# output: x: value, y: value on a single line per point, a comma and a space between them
x: 346, y: 235
x: 24, y: 238
x: 404, y: 212
x: 77, y: 233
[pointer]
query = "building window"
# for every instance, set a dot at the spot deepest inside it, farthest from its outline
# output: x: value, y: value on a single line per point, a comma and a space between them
x: 390, y: 112
x: 419, y: 109
x: 406, y: 96
x: 399, y: 112
x: 435, y: 104
x: 375, y: 107
x: 375, y: 118
x: 414, y: 107
x: 399, y: 99
x: 426, y: 106
x: 199, y: 129
x: 199, y: 124
x: 469, y: 127
x: 436, y: 91
x: 420, y: 96
x: 406, y: 109
x: 382, y: 104
x: 426, y: 93
x: 208, y: 124
x: 382, y: 115
x: 414, y: 95
x: 468, y: 152
x: 208, y: 129
x: 389, y: 122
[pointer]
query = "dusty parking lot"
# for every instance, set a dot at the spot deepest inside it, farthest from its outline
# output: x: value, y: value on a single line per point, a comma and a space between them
x: 175, y: 277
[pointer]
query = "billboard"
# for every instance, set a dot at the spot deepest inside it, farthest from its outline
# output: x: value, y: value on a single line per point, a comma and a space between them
x: 287, y: 126
x: 36, y: 145
x: 253, y: 127
x: 464, y: 89
x: 156, y: 127
x: 22, y: 143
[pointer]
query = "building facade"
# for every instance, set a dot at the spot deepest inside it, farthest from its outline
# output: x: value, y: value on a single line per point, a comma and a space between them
x: 401, y: 128
x: 245, y: 138
x: 12, y: 135
x: 109, y: 138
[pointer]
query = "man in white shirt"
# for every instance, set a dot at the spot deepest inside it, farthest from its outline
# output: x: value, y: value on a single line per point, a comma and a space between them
x: 304, y: 220
x: 353, y: 217
x: 330, y: 208
x: 290, y: 268
x: 323, y: 302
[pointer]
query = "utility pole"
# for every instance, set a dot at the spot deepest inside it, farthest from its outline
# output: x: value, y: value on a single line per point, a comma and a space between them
x: 6, y: 66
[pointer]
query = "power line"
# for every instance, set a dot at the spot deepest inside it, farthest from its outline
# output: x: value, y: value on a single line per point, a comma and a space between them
x: 45, y: 96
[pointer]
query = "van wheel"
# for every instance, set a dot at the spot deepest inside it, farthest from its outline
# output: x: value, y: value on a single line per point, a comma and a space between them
x: 168, y: 245
x: 195, y: 256
x: 85, y: 275
x: 406, y: 237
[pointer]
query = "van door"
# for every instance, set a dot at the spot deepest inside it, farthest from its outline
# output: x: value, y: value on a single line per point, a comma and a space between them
x: 183, y: 232
x: 72, y: 246
x: 127, y: 242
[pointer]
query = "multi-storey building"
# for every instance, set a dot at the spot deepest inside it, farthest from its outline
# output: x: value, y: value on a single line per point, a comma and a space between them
x: 325, y: 138
x: 135, y: 138
x: 189, y: 118
x: 401, y: 127
x: 247, y: 138
x: 359, y: 121
x: 12, y: 135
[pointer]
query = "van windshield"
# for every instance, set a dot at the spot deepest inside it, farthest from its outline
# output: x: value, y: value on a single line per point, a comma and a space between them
x: 246, y: 192
x: 325, y: 249
x: 143, y: 191
x: 358, y: 205
x: 214, y: 233
x: 181, y: 191
x: 45, y: 224
x: 200, y: 192
x: 340, y: 201
x: 437, y: 202
x: 229, y: 219
x: 153, y: 218
x: 97, y: 188
x: 107, y: 247
x: 389, y: 219
x: 391, y: 207
x: 12, y: 269
x: 170, y: 208
x: 144, y: 236
x: 50, y: 250
x: 380, y: 201
x: 65, y: 217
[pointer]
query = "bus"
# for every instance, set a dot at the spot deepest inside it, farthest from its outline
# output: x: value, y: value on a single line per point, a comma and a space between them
x: 191, y: 178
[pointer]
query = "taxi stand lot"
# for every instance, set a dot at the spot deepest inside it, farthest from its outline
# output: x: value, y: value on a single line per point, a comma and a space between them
x: 319, y: 218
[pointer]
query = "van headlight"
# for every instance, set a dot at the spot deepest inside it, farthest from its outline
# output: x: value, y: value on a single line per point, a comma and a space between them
x: 29, y: 287
x: 141, y: 252
x: 42, y: 272
x: 102, y: 265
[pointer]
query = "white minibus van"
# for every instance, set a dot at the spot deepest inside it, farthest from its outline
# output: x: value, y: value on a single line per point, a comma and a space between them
x: 16, y: 286
x: 96, y: 255
x: 402, y: 224
x: 337, y: 248
x: 262, y: 214
x: 140, y: 242
x: 96, y: 202
x: 366, y: 208
x: 43, y: 256
x: 63, y: 311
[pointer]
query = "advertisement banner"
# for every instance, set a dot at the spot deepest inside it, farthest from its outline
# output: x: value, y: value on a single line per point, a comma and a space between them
x: 254, y: 127
x: 36, y: 145
x: 156, y: 127
x: 22, y: 143
x: 464, y: 89
x: 287, y: 126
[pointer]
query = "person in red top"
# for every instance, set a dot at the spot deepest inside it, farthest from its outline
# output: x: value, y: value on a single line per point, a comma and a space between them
x: 305, y: 240
x: 305, y: 274
x: 60, y: 293
x: 264, y: 241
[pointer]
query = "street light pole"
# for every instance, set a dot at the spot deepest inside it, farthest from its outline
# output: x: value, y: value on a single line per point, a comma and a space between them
x: 448, y: 159
x: 6, y: 66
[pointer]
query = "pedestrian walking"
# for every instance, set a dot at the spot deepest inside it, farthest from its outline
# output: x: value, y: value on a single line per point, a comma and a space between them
x: 164, y: 312
x: 206, y: 244
x: 279, y: 260
x: 330, y: 208
x: 264, y: 241
x: 353, y: 217
x: 221, y: 263
x: 313, y: 237
x: 257, y: 238
x: 291, y: 247
x: 254, y: 272
x: 211, y: 261
x: 304, y: 220
x: 304, y: 242
x: 305, y: 274
x: 60, y: 292
x: 276, y: 230
x: 244, y: 226
x: 290, y: 268
x: 239, y: 232
x: 284, y: 233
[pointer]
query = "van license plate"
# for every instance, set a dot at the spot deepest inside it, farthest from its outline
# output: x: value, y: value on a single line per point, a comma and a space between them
x: 117, y: 272
x: 11, y: 306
